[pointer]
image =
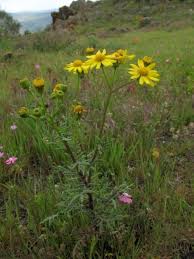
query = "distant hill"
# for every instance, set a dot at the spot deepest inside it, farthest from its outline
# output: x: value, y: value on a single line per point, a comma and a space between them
x: 33, y: 21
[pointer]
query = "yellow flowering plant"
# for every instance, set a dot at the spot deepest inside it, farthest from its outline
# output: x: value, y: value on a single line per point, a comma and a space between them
x: 67, y: 106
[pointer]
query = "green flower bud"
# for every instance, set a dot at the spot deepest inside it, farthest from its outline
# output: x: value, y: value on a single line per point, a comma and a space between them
x: 23, y: 112
x: 57, y: 94
x: 61, y: 87
x: 25, y: 83
x: 37, y: 112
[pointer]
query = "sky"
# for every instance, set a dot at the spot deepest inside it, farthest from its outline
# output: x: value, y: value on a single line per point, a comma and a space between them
x: 31, y: 5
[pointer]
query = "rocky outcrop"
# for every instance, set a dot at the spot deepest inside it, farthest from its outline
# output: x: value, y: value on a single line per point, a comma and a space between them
x: 63, y: 14
x: 67, y: 17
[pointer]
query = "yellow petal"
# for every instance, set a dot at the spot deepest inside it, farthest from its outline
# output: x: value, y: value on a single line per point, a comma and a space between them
x: 134, y: 66
x: 79, y: 69
x: 91, y: 56
x: 134, y: 76
x: 140, y: 63
x: 154, y: 79
x: 107, y: 63
x: 151, y: 66
x: 98, y: 65
x: 141, y: 80
x: 131, y: 57
x: 147, y: 81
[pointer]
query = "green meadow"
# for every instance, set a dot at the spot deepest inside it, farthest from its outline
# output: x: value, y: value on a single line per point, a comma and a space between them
x: 53, y: 206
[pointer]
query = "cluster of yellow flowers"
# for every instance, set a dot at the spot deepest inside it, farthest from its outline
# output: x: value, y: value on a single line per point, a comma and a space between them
x: 98, y: 60
x: 39, y: 84
x: 57, y: 92
x: 143, y: 71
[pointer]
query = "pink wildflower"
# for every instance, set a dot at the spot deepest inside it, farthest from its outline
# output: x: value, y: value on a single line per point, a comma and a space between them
x: 13, y: 127
x: 37, y: 66
x: 11, y: 160
x: 1, y: 154
x: 125, y: 198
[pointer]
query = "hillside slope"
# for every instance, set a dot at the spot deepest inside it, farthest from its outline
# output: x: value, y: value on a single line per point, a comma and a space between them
x: 125, y: 15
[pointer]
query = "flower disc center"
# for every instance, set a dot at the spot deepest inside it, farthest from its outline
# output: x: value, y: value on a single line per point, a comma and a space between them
x: 77, y: 63
x: 143, y: 71
x: 99, y: 57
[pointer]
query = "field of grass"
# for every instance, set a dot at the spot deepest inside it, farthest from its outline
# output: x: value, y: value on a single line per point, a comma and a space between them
x: 46, y: 209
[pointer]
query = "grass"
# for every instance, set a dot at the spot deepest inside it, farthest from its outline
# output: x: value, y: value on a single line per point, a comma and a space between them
x: 122, y: 16
x: 43, y: 204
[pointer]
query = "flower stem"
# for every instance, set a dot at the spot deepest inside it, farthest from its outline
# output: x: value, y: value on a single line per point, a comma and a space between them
x: 78, y: 86
x: 80, y: 173
x: 106, y: 79
x: 105, y: 112
x: 107, y: 103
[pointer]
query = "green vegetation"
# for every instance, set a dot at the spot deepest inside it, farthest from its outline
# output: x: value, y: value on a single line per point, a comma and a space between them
x: 8, y: 25
x: 44, y: 204
x: 125, y: 15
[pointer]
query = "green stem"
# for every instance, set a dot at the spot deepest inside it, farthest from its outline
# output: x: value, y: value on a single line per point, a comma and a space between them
x: 78, y: 86
x: 69, y: 151
x: 106, y: 79
x: 83, y: 179
x: 105, y: 112
x: 33, y: 95
x: 107, y: 103
x: 102, y: 124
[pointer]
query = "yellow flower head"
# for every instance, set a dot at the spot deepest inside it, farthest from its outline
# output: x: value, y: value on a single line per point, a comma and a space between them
x: 77, y: 67
x: 100, y: 59
x: 23, y: 112
x: 38, y: 83
x: 61, y: 87
x: 79, y: 109
x: 145, y: 74
x: 148, y: 60
x: 122, y: 56
x: 89, y: 50
x: 155, y: 153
